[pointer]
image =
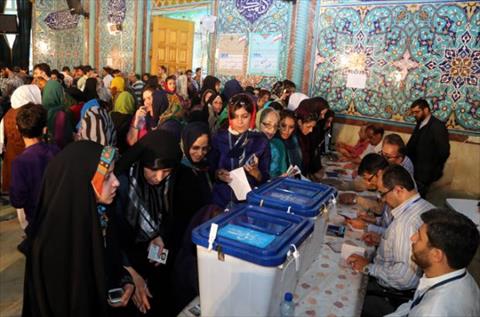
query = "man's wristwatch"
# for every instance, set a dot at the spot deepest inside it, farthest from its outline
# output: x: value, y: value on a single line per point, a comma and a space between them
x: 366, y: 270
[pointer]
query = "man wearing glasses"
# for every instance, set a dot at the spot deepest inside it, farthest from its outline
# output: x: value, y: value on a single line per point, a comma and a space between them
x: 393, y: 274
x: 394, y: 150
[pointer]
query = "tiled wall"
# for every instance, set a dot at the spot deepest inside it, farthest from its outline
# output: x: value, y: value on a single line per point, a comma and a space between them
x: 57, y: 48
x: 117, y: 50
x: 276, y: 19
x: 407, y: 50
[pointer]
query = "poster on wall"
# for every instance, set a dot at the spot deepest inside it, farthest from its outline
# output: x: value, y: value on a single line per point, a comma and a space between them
x: 264, y: 54
x: 231, y: 50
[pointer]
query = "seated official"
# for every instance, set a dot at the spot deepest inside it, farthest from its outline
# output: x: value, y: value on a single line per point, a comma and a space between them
x: 394, y: 150
x: 393, y: 274
x: 376, y: 216
x: 443, y: 247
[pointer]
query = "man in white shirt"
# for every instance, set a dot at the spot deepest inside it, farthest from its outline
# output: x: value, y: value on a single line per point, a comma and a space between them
x: 107, y: 76
x: 393, y: 274
x: 375, y: 136
x: 443, y: 247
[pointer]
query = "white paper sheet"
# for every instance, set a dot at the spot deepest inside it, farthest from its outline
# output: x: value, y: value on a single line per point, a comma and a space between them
x: 239, y: 183
x: 355, y: 80
x: 348, y: 249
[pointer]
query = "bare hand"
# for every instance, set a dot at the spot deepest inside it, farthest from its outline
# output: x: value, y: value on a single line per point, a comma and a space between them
x: 371, y: 238
x: 252, y: 169
x: 223, y: 175
x: 357, y: 223
x: 139, y: 114
x: 357, y: 262
x: 127, y: 293
x: 142, y: 295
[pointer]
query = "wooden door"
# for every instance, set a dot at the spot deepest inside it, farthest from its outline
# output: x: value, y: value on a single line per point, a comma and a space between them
x: 172, y: 45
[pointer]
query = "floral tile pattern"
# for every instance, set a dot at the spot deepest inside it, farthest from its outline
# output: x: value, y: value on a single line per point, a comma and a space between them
x: 275, y: 17
x: 58, y: 48
x: 407, y: 51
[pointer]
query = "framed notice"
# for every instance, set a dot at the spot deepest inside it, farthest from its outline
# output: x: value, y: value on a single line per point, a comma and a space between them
x: 264, y: 54
x: 231, y: 52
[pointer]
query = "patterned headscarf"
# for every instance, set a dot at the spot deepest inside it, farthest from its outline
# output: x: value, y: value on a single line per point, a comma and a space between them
x: 108, y: 156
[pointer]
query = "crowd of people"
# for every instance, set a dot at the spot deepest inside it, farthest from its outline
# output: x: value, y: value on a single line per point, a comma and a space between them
x: 103, y: 168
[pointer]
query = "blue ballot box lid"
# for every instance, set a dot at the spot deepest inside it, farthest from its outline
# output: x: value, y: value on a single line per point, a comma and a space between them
x: 255, y: 234
x: 300, y: 197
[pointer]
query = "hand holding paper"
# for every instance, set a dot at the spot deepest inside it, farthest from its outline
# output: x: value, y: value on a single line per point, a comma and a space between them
x: 239, y: 183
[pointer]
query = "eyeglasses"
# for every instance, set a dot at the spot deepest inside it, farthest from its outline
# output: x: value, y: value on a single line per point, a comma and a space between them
x: 382, y: 195
x: 200, y: 148
x: 371, y: 177
x: 388, y: 157
x: 270, y: 125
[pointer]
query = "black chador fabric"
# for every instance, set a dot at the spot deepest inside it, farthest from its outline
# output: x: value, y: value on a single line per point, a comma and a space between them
x: 65, y: 271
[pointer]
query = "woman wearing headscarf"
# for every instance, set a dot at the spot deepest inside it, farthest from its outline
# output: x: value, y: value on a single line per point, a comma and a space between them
x: 268, y: 125
x: 121, y: 115
x: 117, y: 85
x: 200, y: 111
x: 295, y: 99
x: 210, y: 82
x: 231, y: 88
x: 172, y: 118
x: 238, y: 147
x: 72, y: 255
x: 192, y: 179
x: 215, y: 108
x: 317, y: 138
x: 286, y: 133
x: 90, y: 91
x: 9, y: 135
x: 307, y: 118
x: 59, y: 123
x: 146, y: 117
x: 96, y: 124
x: 145, y: 205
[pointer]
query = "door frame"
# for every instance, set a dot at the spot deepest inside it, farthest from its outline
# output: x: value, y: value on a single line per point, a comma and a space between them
x: 162, y: 11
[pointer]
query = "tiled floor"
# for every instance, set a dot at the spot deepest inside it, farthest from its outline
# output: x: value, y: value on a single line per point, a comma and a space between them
x: 12, y: 265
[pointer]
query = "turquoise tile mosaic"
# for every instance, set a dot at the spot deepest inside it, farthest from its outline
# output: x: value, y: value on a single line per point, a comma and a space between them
x: 406, y: 50
x: 58, y: 48
x: 276, y: 19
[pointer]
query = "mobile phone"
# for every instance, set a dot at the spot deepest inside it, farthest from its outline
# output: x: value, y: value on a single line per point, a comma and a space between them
x: 115, y: 295
x: 153, y: 254
x: 336, y: 231
x: 195, y: 310
x: 251, y: 159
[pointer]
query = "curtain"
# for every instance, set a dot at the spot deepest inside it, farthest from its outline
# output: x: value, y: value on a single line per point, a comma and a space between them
x: 5, y: 53
x: 21, y: 47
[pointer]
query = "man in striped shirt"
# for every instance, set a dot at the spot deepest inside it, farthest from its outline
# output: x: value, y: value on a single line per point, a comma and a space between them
x: 393, y: 274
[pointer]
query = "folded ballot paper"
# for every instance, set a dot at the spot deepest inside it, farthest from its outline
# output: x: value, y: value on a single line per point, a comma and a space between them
x: 239, y: 183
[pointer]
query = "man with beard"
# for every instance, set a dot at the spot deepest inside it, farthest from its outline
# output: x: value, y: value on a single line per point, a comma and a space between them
x: 393, y: 275
x: 443, y: 247
x: 428, y: 147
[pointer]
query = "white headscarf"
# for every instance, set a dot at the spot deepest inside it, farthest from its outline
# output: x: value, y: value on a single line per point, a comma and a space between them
x: 295, y: 99
x: 20, y: 97
x: 25, y: 94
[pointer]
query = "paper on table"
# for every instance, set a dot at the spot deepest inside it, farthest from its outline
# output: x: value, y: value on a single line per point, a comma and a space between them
x: 351, y: 214
x: 239, y: 183
x: 356, y: 80
x: 348, y: 249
